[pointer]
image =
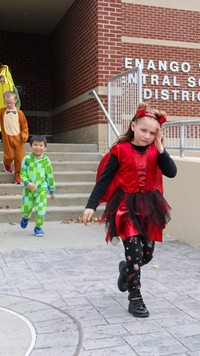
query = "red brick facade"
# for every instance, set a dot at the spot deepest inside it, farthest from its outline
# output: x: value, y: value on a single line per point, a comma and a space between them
x: 89, y: 38
x: 27, y: 55
x: 170, y: 25
x: 87, y: 48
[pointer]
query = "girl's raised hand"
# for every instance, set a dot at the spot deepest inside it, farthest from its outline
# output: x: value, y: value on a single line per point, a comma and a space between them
x: 158, y: 140
x: 87, y: 215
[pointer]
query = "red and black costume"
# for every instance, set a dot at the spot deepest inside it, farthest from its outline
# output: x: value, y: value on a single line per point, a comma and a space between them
x: 132, y: 187
x: 131, y: 184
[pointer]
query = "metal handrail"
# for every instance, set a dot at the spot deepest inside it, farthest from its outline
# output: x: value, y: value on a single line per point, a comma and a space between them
x: 178, y: 133
x: 124, y: 94
x: 123, y: 88
x: 181, y: 122
x: 94, y: 94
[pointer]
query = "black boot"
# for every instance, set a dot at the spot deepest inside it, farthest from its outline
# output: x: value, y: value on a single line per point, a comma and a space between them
x: 122, y: 280
x: 136, y: 305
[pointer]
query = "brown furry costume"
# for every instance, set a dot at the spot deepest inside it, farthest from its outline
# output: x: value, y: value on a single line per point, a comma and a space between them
x: 14, y: 129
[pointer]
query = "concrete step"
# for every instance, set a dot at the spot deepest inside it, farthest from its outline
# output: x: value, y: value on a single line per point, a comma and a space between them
x: 71, y: 147
x: 14, y: 201
x: 77, y: 176
x: 61, y: 187
x: 66, y: 166
x: 70, y: 176
x: 63, y: 214
x: 73, y: 156
x: 65, y: 147
x: 75, y: 172
x: 75, y: 166
x: 70, y: 156
x: 5, y: 178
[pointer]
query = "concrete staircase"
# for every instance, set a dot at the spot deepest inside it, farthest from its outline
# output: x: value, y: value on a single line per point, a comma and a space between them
x: 75, y: 170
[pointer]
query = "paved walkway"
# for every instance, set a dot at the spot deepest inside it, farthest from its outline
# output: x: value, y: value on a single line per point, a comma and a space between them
x: 58, y: 296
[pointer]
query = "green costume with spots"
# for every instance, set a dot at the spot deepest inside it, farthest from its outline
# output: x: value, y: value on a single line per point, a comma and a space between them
x: 39, y: 172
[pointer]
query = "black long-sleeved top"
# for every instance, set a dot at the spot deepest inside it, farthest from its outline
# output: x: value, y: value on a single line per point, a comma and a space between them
x: 165, y: 163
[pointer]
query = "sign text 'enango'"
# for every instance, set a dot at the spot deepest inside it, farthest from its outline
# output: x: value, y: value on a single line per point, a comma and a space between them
x: 164, y: 76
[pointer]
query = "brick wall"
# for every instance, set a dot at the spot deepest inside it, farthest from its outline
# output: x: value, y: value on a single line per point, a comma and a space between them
x: 160, y: 23
x: 109, y: 39
x: 38, y: 124
x: 172, y: 25
x: 74, y: 52
x: 86, y: 51
x: 84, y: 113
x: 27, y: 55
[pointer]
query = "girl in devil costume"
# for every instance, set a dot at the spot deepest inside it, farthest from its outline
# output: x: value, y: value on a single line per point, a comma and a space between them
x: 131, y: 184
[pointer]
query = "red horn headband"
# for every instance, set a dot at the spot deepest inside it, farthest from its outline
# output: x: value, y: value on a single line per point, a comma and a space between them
x: 143, y: 112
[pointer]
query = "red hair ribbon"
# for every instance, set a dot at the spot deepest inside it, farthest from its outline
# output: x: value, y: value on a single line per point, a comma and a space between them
x: 142, y: 112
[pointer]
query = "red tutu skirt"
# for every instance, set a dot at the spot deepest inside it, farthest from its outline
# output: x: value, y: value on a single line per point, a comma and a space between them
x: 142, y: 213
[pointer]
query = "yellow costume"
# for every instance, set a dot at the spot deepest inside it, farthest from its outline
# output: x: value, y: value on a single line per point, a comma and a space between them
x: 7, y: 85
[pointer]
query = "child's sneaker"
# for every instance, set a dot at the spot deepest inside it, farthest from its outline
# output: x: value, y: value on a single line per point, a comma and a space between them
x: 24, y: 223
x: 38, y: 232
x: 18, y: 181
x: 7, y: 168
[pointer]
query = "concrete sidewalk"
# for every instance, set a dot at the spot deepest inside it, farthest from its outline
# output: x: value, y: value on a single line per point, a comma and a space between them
x: 59, y: 296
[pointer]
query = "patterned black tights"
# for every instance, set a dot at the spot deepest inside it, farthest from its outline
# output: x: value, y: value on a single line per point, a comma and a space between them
x: 138, y: 253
